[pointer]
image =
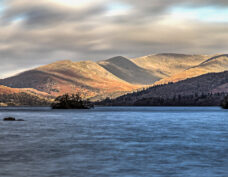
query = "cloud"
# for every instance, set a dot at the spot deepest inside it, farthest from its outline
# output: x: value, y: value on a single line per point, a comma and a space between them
x: 39, y: 32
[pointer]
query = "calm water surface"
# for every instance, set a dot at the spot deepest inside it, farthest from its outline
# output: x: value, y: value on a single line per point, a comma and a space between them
x: 115, y: 142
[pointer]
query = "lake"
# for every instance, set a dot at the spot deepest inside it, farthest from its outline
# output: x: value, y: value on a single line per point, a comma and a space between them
x: 115, y: 142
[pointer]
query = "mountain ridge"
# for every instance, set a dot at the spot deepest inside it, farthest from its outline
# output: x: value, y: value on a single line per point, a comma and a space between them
x: 70, y: 77
x: 115, y: 76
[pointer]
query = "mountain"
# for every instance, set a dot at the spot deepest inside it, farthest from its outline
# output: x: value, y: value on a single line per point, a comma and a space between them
x: 218, y: 63
x: 193, y: 90
x: 115, y: 76
x: 149, y: 69
x: 167, y: 64
x: 61, y: 77
x: 128, y: 71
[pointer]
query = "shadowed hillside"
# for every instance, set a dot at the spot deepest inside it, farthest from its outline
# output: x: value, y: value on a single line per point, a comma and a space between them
x: 126, y: 70
x: 193, y: 89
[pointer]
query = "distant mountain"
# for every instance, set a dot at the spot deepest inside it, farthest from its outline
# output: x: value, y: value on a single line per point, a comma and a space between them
x: 149, y: 69
x: 193, y: 90
x: 218, y: 63
x: 128, y: 71
x: 167, y: 64
x: 70, y: 77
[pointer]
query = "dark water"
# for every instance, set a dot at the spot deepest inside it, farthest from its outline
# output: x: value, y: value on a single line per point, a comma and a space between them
x: 119, y: 141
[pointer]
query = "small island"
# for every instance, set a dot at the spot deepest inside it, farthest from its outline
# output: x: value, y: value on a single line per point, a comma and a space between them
x: 73, y: 101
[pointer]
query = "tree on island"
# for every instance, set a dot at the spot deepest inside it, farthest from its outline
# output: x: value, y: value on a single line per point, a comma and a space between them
x: 224, y: 103
x: 73, y: 101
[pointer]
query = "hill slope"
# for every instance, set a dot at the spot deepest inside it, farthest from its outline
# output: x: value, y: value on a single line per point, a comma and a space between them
x: 167, y: 64
x: 22, y: 97
x: 217, y: 63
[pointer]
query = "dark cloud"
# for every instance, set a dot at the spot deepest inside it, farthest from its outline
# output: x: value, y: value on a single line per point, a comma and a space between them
x: 45, y: 14
x: 39, y: 32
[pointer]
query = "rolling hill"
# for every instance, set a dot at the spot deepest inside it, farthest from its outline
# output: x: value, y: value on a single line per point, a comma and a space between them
x: 167, y: 64
x: 218, y: 63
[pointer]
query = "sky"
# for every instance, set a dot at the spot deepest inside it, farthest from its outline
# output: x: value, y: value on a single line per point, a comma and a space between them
x: 34, y: 33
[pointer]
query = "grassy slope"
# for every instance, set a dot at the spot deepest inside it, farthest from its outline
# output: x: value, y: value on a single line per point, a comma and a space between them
x: 165, y: 65
x: 214, y: 64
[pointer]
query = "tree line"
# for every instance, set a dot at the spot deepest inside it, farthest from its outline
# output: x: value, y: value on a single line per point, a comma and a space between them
x: 196, y: 99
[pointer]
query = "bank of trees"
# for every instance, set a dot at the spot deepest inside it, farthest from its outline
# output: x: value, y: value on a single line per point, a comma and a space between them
x: 224, y: 103
x: 196, y: 99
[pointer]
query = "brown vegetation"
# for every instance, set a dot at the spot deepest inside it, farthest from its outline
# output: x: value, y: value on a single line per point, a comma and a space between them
x: 214, y: 64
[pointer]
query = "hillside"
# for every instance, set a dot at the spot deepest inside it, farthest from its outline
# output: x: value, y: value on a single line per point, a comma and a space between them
x: 23, y: 97
x: 126, y: 70
x: 213, y: 84
x: 167, y: 64
x: 70, y: 77
x: 7, y: 90
x: 217, y: 63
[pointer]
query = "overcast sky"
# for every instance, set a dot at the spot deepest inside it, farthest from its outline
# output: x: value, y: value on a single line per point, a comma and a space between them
x: 39, y: 32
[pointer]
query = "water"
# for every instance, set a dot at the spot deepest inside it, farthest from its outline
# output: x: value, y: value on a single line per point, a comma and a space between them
x: 115, y: 142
